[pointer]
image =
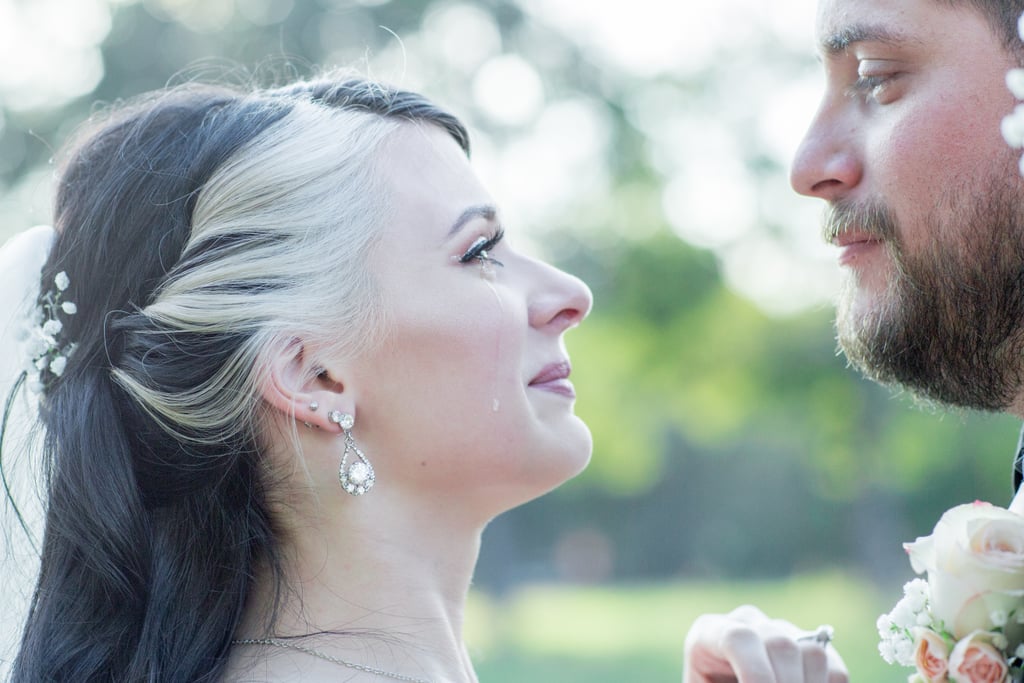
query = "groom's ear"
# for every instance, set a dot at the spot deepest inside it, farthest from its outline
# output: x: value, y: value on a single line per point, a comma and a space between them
x: 295, y: 385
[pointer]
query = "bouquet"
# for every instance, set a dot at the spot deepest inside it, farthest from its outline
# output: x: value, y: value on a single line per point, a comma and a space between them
x: 965, y: 623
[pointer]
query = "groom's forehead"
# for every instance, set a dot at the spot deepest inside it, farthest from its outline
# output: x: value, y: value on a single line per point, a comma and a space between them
x: 841, y: 24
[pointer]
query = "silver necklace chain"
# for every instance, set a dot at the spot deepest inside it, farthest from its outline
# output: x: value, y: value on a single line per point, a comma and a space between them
x: 310, y: 651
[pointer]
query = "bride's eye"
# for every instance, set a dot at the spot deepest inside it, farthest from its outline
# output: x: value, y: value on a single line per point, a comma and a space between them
x: 478, y: 251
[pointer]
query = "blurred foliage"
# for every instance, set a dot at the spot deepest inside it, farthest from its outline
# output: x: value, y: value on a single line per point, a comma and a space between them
x: 743, y: 439
x: 727, y: 442
x: 635, y: 632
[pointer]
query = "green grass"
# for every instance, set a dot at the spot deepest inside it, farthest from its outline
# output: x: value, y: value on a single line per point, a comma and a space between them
x: 634, y: 633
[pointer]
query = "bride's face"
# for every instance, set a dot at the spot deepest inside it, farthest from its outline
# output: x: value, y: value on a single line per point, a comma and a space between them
x: 469, y: 393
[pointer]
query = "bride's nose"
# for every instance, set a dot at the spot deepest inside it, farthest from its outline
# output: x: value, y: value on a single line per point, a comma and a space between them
x: 559, y: 300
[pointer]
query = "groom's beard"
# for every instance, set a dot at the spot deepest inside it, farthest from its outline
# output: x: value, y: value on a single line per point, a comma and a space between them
x: 950, y: 325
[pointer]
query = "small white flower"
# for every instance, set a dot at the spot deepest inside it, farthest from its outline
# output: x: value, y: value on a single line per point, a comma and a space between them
x: 62, y: 281
x: 884, y: 624
x: 40, y: 363
x: 905, y: 652
x: 903, y: 615
x: 1019, y: 652
x: 35, y: 386
x: 924, y: 619
x: 998, y: 617
x: 1012, y: 130
x: 58, y: 364
x: 36, y: 345
x: 52, y: 327
x: 916, y: 602
x: 999, y: 641
x: 887, y: 649
x: 917, y: 588
x: 1015, y: 82
x: 69, y: 307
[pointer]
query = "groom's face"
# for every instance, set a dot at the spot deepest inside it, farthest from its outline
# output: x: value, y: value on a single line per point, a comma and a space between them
x: 924, y: 198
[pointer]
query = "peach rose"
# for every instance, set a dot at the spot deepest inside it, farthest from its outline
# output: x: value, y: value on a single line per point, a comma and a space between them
x: 975, y: 564
x: 974, y: 660
x: 931, y: 656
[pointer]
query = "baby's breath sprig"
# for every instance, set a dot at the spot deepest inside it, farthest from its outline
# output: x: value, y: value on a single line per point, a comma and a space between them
x: 47, y: 351
x: 1012, y: 126
x: 896, y: 629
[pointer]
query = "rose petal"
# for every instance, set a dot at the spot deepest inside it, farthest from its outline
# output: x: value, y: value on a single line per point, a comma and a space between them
x: 975, y: 660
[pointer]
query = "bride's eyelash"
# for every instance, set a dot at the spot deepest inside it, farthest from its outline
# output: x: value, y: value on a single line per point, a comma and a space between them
x: 481, y: 245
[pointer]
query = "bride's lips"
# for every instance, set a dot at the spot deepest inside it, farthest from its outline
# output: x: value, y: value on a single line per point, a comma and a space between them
x: 854, y: 245
x: 554, y: 377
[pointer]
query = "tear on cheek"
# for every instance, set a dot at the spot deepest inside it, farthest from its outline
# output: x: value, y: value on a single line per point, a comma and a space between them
x: 497, y: 362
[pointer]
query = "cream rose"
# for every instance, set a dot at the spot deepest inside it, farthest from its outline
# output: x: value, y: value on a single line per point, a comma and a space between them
x: 931, y: 656
x: 975, y: 564
x: 974, y: 660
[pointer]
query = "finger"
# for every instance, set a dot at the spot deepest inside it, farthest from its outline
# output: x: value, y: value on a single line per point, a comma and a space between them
x: 815, y: 658
x: 748, y: 614
x: 786, y: 657
x: 837, y: 672
x: 719, y: 648
x: 745, y: 651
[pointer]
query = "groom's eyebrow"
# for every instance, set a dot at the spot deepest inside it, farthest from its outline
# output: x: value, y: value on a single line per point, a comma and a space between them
x: 841, y: 40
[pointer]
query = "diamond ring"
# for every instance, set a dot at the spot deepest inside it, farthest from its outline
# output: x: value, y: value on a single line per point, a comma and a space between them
x: 822, y: 635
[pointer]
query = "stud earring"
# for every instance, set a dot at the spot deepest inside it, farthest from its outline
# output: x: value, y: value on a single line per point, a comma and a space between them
x: 313, y: 405
x: 343, y: 420
x: 356, y: 478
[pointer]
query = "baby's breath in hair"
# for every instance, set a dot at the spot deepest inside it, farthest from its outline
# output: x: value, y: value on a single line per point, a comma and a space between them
x: 47, y: 351
x: 1012, y: 125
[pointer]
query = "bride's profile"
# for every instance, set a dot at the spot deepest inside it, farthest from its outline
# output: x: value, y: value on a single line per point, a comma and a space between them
x: 286, y: 368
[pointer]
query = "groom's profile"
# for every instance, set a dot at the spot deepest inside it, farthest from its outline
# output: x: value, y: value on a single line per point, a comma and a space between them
x: 923, y: 196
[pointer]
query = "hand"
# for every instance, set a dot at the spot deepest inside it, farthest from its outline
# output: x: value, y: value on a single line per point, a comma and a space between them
x: 745, y: 646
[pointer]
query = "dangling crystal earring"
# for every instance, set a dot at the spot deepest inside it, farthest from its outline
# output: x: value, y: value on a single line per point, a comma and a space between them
x: 357, y: 478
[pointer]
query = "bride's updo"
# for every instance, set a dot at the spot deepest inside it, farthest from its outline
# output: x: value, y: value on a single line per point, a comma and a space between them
x: 199, y: 230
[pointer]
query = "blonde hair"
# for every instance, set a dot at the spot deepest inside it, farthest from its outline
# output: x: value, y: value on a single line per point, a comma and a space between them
x: 278, y: 250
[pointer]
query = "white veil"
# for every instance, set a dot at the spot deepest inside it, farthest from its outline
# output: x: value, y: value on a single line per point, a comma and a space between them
x: 21, y: 259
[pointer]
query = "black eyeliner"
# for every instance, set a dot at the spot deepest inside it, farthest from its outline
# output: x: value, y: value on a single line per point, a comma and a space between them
x: 480, y: 245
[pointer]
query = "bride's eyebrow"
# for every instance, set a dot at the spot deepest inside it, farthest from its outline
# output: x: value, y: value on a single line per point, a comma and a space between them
x: 486, y: 211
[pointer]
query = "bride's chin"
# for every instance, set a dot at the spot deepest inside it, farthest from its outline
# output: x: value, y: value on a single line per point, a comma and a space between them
x: 575, y: 452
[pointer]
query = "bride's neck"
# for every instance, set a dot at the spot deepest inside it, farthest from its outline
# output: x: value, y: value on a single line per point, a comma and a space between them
x: 388, y: 576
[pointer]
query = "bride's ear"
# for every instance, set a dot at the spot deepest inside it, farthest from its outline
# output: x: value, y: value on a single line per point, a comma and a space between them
x: 297, y: 387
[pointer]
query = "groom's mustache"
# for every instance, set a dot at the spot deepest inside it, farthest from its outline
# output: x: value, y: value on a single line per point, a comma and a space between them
x: 871, y: 220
